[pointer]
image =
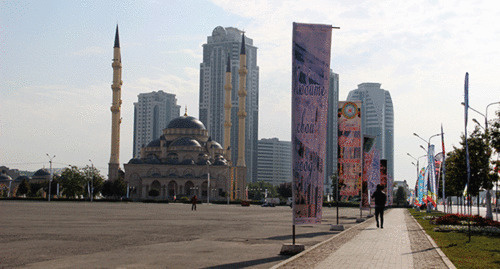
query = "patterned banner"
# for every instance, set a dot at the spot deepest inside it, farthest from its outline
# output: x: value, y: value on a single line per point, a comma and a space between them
x: 371, y: 170
x: 421, y: 188
x: 431, y: 188
x: 310, y: 83
x: 349, y: 149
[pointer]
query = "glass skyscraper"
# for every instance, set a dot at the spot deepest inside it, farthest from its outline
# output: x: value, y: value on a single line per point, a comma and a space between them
x: 377, y: 119
x: 152, y: 113
x: 223, y: 43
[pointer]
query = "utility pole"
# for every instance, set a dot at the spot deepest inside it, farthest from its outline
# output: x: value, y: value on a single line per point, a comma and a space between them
x: 51, y: 173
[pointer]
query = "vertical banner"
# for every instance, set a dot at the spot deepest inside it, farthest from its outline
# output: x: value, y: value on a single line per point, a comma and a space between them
x: 431, y: 187
x: 371, y: 174
x: 383, y: 173
x: 443, y: 164
x: 421, y: 186
x: 310, y: 83
x: 349, y: 149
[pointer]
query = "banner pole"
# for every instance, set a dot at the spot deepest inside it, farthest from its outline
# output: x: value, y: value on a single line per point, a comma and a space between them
x: 293, y: 234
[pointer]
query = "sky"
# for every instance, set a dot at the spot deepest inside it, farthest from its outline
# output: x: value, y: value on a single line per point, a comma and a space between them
x: 56, y: 75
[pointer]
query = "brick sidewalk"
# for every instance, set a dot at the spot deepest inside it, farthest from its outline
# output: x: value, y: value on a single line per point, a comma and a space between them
x: 401, y: 244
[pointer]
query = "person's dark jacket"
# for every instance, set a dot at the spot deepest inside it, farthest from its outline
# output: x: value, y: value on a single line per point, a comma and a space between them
x: 380, y: 198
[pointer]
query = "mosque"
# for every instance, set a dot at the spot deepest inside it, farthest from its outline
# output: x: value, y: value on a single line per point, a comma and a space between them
x: 184, y: 161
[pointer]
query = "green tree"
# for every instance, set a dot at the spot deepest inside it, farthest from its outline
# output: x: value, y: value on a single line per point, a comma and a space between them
x: 73, y: 182
x: 256, y: 190
x: 24, y: 188
x: 35, y: 188
x: 93, y: 177
x: 456, y: 169
x: 114, y: 189
x: 400, y: 196
x: 494, y: 133
x: 285, y: 190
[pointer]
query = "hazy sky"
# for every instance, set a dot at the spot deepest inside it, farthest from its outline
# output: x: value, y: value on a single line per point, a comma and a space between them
x: 55, y: 67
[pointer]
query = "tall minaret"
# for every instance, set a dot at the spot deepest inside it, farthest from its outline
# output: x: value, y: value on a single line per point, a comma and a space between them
x: 114, y: 163
x: 227, y: 110
x: 242, y: 93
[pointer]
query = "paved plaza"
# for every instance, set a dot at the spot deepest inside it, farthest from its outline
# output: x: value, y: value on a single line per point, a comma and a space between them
x: 402, y: 243
x: 138, y: 235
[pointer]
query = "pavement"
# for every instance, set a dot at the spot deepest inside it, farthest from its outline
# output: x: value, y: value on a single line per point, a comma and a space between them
x: 402, y: 243
x: 36, y: 234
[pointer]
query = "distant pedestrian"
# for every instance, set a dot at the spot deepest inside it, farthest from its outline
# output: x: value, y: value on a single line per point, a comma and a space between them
x: 193, y: 202
x: 380, y: 199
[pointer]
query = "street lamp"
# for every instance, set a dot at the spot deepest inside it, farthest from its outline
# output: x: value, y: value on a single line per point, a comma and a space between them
x: 92, y: 184
x: 51, y: 172
x: 489, y: 214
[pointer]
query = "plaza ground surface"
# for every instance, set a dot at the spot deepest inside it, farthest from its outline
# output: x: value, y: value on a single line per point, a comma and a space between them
x: 109, y: 235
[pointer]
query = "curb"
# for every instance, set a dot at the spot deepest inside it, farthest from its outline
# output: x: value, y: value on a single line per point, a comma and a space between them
x: 315, y: 246
x: 439, y: 251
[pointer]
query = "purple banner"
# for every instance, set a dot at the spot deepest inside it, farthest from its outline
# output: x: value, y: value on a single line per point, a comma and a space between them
x: 310, y: 83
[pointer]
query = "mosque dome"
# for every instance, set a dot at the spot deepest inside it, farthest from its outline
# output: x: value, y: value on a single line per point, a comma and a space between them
x: 42, y: 173
x: 186, y: 141
x: 21, y: 178
x: 5, y: 178
x: 215, y: 145
x: 186, y: 122
x: 135, y: 161
x: 154, y: 144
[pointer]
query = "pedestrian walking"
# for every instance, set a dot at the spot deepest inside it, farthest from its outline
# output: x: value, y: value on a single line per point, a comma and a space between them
x: 380, y: 199
x: 193, y: 202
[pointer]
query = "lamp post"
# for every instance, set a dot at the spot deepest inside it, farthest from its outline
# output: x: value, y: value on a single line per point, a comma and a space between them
x: 489, y: 214
x: 417, y: 165
x: 51, y: 173
x: 92, y: 184
x: 428, y: 157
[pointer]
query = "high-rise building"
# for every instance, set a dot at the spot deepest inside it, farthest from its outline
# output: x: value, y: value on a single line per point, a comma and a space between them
x: 274, y: 164
x: 331, y: 132
x: 152, y: 113
x: 377, y: 119
x: 224, y: 43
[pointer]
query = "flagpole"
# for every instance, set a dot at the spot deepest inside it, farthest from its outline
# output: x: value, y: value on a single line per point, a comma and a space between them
x: 466, y: 97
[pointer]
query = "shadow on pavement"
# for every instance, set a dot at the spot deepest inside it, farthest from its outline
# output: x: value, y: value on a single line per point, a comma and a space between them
x: 248, y: 263
x: 306, y: 235
x: 423, y: 250
x: 369, y: 229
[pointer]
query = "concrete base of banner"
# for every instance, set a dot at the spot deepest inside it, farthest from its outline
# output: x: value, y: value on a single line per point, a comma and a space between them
x: 369, y: 216
x: 334, y: 227
x: 291, y: 249
x: 359, y: 220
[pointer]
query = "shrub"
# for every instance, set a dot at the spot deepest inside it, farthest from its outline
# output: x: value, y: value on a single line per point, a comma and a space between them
x: 153, y: 193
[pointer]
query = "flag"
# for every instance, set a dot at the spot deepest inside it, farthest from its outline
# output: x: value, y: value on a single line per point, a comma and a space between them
x: 465, y: 191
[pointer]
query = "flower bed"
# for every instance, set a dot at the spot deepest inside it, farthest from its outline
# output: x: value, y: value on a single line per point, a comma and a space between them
x: 461, y: 219
x: 484, y: 230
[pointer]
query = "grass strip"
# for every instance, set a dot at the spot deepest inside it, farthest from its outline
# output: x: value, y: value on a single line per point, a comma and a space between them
x: 482, y: 252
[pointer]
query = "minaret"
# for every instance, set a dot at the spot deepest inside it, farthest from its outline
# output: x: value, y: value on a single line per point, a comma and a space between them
x: 242, y: 93
x: 114, y: 163
x: 227, y: 110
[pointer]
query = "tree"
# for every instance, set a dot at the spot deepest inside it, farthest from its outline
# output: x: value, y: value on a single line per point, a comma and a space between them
x: 114, y: 189
x: 456, y: 169
x: 24, y: 188
x: 494, y: 133
x: 93, y: 177
x: 256, y: 190
x: 73, y: 181
x: 285, y: 189
x: 400, y: 196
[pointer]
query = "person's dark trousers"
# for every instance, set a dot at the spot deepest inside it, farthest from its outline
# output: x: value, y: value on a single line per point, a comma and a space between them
x: 193, y: 207
x: 379, y: 210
